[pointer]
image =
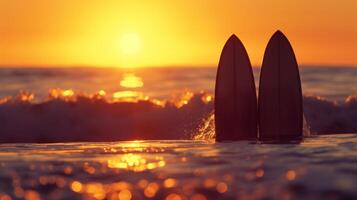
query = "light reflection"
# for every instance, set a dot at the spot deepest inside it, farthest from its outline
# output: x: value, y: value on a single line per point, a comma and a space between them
x: 61, y: 94
x: 121, y: 186
x: 259, y: 173
x: 68, y: 170
x: 134, y: 162
x: 124, y: 195
x: 99, y: 190
x: 131, y: 81
x: 134, y: 144
x: 32, y: 195
x: 4, y: 196
x: 76, y: 186
x: 129, y: 96
x: 151, y: 190
x: 183, y: 99
x: 68, y: 93
x: 126, y: 94
x: 222, y: 187
x: 5, y: 100
x: 158, y: 102
x: 170, y: 183
x: 25, y: 96
x: 96, y: 190
x: 173, y: 196
x: 102, y: 93
x: 113, y: 173
x: 172, y: 187
x: 89, y: 169
x: 209, y: 183
x: 290, y: 175
x: 22, y: 96
x: 207, y: 98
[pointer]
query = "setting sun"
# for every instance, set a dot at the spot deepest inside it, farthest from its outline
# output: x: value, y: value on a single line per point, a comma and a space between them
x: 130, y: 44
x: 129, y: 50
x: 165, y: 33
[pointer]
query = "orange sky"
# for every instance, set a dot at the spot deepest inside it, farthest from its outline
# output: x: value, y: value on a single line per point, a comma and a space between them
x: 127, y: 33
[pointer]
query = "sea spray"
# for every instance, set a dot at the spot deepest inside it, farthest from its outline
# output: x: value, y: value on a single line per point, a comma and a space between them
x: 207, y: 130
x: 306, y: 128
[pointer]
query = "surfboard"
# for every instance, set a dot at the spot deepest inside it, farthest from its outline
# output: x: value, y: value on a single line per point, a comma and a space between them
x: 280, y: 97
x: 235, y: 94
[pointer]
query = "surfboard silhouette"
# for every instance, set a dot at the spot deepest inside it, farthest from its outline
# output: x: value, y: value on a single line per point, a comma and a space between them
x: 235, y: 94
x: 280, y: 96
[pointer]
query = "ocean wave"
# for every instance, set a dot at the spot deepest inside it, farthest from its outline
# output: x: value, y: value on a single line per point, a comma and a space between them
x: 328, y: 117
x: 69, y: 116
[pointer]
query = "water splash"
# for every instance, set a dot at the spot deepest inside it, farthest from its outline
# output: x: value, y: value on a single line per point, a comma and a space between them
x: 306, y: 131
x: 207, y: 129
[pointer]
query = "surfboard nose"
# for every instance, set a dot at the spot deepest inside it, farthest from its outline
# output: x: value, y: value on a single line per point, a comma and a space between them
x: 234, y: 44
x: 279, y: 36
x: 232, y: 41
x: 280, y: 95
x: 278, y: 32
x: 232, y: 38
x: 235, y: 97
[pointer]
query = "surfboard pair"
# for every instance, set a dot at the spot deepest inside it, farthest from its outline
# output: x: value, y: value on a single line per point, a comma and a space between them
x: 278, y: 113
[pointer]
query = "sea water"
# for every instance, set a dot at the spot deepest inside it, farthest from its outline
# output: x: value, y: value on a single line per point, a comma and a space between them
x: 332, y: 83
x: 92, y: 104
x: 320, y: 167
x: 105, y: 104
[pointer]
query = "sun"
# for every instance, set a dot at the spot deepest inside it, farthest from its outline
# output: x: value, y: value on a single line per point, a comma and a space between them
x: 130, y: 44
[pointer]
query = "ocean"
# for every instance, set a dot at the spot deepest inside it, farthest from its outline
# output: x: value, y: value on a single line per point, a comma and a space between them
x: 332, y: 83
x: 106, y: 104
x: 321, y: 167
x: 121, y: 134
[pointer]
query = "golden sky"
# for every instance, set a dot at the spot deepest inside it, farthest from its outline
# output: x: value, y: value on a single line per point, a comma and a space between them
x: 127, y: 33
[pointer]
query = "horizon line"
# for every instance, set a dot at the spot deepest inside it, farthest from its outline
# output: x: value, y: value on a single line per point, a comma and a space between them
x: 162, y: 66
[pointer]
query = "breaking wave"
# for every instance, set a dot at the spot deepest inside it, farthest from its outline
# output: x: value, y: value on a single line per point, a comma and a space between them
x: 69, y: 116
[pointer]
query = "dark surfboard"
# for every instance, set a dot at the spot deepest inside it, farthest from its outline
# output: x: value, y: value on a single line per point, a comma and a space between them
x: 235, y: 94
x: 280, y: 96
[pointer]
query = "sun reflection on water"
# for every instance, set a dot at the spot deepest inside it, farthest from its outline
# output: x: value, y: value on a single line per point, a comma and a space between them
x: 154, y: 170
x: 130, y: 80
x: 135, y: 162
x: 207, y: 98
x: 131, y: 92
x: 129, y: 96
x: 183, y: 98
x: 61, y: 94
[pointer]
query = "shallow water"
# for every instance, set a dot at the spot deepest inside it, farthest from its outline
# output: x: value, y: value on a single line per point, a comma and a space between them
x: 320, y: 167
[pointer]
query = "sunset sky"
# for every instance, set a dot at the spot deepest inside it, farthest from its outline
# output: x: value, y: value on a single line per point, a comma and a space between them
x: 128, y: 33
